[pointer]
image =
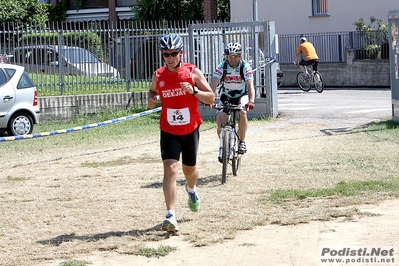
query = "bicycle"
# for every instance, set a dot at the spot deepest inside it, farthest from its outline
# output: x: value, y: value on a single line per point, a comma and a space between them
x: 229, y: 140
x: 314, y: 78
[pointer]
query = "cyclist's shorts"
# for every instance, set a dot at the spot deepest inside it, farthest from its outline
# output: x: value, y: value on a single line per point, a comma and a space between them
x: 172, y: 145
x: 243, y: 100
x: 313, y: 63
x: 239, y: 100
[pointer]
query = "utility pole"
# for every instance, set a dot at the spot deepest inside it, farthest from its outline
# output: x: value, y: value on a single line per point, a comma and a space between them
x: 255, y: 10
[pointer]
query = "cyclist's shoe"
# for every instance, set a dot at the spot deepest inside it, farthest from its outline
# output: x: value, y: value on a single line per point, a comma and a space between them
x: 170, y: 223
x: 242, y: 148
x: 220, y: 159
x: 194, y: 201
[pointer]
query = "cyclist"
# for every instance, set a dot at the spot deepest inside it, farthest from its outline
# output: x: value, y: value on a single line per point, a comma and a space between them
x: 309, y: 52
x: 179, y: 86
x: 235, y: 77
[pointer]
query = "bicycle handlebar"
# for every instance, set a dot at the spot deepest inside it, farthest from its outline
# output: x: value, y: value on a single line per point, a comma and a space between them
x: 228, y: 106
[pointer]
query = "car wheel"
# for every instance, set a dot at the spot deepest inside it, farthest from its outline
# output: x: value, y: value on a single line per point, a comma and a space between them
x: 20, y: 124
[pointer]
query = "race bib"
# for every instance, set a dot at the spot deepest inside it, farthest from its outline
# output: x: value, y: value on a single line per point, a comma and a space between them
x: 177, y: 117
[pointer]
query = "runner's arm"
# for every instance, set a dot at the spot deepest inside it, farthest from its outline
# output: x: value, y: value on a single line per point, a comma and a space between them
x: 205, y: 93
x: 153, y: 95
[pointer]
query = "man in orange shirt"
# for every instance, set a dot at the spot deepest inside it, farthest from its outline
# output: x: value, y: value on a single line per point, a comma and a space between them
x: 309, y: 52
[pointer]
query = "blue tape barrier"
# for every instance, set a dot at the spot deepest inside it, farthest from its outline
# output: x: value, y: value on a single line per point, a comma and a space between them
x: 268, y: 60
x: 80, y: 128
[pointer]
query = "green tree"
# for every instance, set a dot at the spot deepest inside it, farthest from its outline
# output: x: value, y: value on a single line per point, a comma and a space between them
x: 171, y: 10
x: 26, y: 12
x: 223, y: 10
x: 168, y: 10
x: 58, y: 11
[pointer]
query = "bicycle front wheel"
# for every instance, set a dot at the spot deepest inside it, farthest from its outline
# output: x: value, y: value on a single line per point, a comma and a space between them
x: 236, y: 164
x: 226, y: 154
x: 318, y: 82
x: 303, y: 81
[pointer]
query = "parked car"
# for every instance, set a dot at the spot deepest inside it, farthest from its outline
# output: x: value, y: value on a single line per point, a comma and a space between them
x: 280, y: 75
x: 75, y: 60
x: 19, y: 109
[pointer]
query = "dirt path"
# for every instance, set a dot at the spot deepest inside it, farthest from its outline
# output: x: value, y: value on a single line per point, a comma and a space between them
x: 275, y: 245
x: 298, y: 245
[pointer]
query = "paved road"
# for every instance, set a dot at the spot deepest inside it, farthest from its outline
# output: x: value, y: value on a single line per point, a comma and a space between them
x: 344, y: 108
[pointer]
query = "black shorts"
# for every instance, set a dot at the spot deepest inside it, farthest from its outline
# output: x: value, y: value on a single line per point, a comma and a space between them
x: 238, y: 100
x: 314, y: 63
x: 172, y: 145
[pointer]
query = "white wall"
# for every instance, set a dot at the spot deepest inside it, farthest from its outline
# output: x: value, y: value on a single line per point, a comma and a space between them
x: 294, y: 16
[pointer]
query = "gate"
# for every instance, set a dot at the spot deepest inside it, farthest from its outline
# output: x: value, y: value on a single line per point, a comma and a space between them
x: 393, y: 26
x: 259, y: 42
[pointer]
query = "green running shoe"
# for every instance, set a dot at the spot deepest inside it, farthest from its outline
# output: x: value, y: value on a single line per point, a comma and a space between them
x: 170, y: 223
x: 194, y: 201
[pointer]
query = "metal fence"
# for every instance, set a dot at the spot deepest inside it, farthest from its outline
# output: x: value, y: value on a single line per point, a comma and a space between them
x: 98, y: 57
x: 331, y: 47
x: 89, y: 57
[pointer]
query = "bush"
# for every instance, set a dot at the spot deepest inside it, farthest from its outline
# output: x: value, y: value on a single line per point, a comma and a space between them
x: 375, y: 33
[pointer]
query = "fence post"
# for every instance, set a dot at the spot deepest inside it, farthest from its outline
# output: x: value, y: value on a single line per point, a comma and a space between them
x: 128, y: 69
x: 340, y: 47
x: 60, y: 63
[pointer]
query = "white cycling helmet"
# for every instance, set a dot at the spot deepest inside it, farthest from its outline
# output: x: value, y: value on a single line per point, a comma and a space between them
x: 233, y: 49
x: 304, y: 39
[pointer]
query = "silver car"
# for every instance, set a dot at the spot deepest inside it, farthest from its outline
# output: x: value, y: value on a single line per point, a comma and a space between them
x: 19, y: 109
x: 73, y: 60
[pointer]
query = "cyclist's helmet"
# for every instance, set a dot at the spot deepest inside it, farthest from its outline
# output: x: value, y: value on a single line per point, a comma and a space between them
x: 170, y: 42
x: 304, y: 39
x: 233, y: 49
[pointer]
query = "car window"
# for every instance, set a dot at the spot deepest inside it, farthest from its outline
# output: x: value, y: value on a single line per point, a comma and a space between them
x: 18, y: 56
x: 25, y: 82
x: 29, y: 57
x: 10, y: 72
x: 51, y: 56
x: 3, y: 78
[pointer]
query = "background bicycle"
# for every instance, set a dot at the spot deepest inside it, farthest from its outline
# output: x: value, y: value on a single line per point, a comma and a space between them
x: 229, y: 138
x: 314, y: 78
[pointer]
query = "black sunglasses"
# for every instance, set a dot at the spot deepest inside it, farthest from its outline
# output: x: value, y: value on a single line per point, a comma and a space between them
x: 167, y: 55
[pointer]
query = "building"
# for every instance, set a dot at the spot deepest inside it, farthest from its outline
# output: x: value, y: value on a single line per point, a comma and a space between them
x: 98, y: 10
x: 312, y: 16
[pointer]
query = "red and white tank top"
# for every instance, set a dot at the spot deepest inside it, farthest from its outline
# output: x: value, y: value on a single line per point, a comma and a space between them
x: 179, y: 115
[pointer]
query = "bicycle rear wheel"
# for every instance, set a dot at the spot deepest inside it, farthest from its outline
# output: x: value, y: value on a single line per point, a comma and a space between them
x: 318, y: 82
x: 226, y: 154
x: 303, y: 81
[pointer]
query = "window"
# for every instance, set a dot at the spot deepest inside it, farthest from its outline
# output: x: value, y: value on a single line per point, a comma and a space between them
x: 319, y: 8
x: 25, y: 82
x: 10, y: 72
x: 3, y: 78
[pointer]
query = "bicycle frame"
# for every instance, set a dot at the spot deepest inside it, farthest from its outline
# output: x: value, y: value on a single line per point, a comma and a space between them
x: 228, y: 141
x: 230, y: 127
